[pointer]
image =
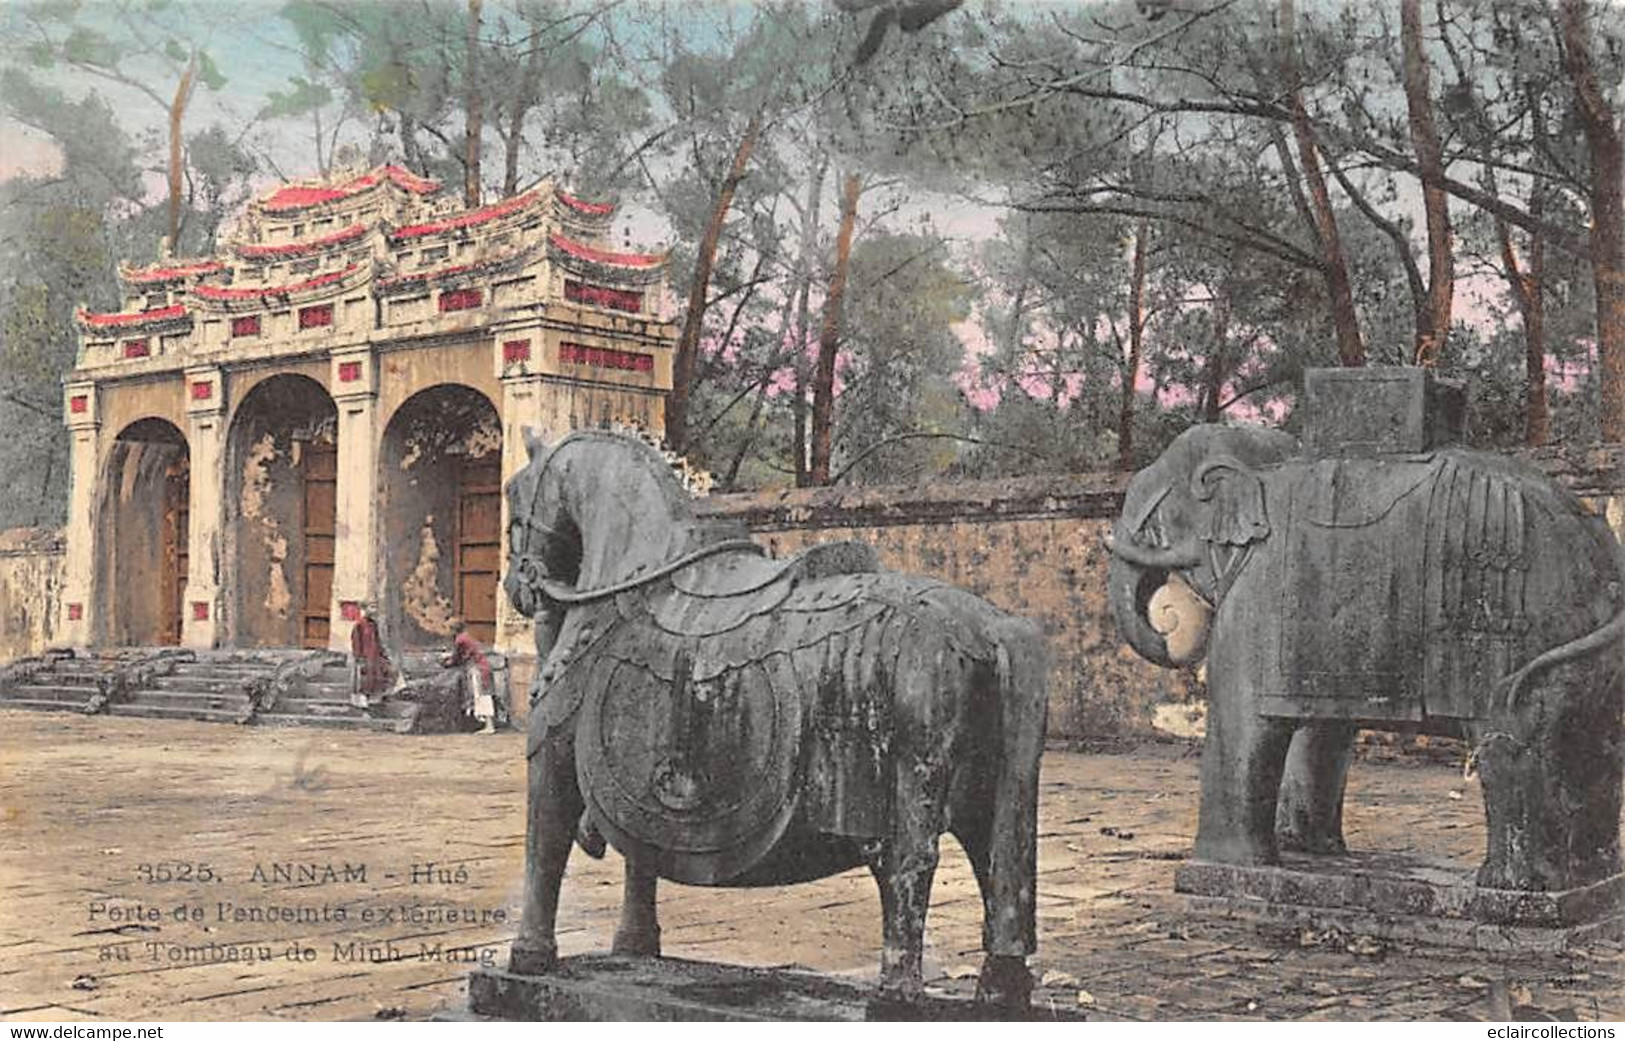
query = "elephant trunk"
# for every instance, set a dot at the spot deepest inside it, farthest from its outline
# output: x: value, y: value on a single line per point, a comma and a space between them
x: 1171, y: 558
x: 1129, y: 589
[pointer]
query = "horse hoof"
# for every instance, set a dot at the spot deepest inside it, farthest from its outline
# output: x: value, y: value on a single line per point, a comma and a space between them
x: 532, y: 958
x: 641, y: 944
x: 1005, y: 982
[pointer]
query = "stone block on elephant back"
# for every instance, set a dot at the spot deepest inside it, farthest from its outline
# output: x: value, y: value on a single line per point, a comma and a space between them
x: 1380, y: 409
x: 1382, y: 575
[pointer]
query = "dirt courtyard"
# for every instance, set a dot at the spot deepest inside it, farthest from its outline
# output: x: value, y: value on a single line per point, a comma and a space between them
x: 196, y: 871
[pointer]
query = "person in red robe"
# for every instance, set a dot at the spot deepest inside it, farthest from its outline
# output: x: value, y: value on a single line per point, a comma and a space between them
x: 466, y: 654
x: 370, y: 670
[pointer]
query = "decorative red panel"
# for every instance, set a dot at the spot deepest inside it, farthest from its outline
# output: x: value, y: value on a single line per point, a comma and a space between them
x: 312, y: 317
x: 79, y: 403
x: 200, y: 610
x: 606, y: 358
x: 349, y: 610
x: 246, y: 325
x: 515, y: 351
x: 202, y: 391
x: 349, y: 371
x: 76, y: 612
x: 460, y: 299
x: 137, y: 348
x: 602, y: 296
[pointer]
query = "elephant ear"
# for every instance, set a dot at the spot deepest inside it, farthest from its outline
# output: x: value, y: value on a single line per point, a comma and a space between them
x: 1237, y: 516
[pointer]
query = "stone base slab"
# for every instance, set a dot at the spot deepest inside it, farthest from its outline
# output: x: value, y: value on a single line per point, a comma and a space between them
x: 1406, y: 897
x: 605, y: 988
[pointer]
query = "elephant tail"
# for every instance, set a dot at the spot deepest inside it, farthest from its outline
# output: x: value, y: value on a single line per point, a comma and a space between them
x: 1612, y: 634
x: 1010, y: 926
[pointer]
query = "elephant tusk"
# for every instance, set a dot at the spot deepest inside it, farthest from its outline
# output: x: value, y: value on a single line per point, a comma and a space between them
x: 1173, y: 558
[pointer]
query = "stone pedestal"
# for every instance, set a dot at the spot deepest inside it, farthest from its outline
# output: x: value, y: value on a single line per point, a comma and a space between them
x: 606, y: 988
x: 1406, y: 897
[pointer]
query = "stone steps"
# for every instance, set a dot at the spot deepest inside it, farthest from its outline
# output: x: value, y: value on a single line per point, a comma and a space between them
x: 213, y: 687
x: 205, y: 701
x: 146, y: 710
x: 42, y: 705
x: 52, y: 692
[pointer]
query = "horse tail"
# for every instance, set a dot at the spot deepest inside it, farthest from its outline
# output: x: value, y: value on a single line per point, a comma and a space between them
x: 1010, y: 927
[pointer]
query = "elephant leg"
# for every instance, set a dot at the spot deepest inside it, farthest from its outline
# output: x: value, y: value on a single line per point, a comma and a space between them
x: 1551, y: 776
x: 1309, y: 814
x: 639, y: 931
x: 1242, y: 761
x: 554, y: 806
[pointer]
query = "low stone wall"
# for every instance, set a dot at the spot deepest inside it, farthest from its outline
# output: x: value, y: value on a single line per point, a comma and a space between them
x: 1030, y: 545
x: 30, y: 580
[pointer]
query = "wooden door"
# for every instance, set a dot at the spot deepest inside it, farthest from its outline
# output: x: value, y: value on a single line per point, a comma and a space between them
x: 479, y: 544
x: 321, y: 509
x: 174, y: 532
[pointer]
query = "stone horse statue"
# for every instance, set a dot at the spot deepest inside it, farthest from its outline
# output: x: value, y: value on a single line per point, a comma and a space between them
x: 725, y: 719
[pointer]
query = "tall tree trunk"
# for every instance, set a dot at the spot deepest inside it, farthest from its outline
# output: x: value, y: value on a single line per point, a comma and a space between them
x: 688, y: 344
x: 1350, y: 347
x: 474, y: 103
x: 522, y: 103
x: 829, y: 340
x: 1136, y: 341
x: 177, y: 159
x: 1607, y: 211
x: 1431, y: 336
x: 1216, y: 371
x: 1528, y: 292
x: 809, y: 259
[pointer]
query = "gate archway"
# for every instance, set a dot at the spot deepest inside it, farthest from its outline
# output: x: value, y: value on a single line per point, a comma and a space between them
x: 144, y: 516
x: 440, y: 497
x: 281, y: 483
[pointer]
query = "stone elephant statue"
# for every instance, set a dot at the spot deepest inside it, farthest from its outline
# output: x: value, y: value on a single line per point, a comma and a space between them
x: 1333, y: 593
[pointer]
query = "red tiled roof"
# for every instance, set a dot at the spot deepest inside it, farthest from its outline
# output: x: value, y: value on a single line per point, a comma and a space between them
x: 592, y: 209
x: 449, y: 272
x: 147, y: 275
x: 297, y: 196
x: 209, y: 292
x: 582, y: 251
x: 290, y: 249
x: 115, y: 320
x: 468, y: 218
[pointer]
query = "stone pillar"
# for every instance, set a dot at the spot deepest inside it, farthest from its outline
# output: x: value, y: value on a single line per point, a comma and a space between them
x: 201, y: 623
x: 355, y: 531
x: 522, y: 396
x: 78, y: 609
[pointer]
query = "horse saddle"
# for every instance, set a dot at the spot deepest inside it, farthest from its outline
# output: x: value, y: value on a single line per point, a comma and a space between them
x: 691, y: 698
x: 722, y: 592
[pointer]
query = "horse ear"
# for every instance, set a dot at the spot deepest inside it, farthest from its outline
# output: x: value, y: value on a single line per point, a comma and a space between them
x: 535, y: 447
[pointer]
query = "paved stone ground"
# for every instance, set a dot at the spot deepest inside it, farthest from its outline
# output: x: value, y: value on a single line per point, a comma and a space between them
x: 86, y: 802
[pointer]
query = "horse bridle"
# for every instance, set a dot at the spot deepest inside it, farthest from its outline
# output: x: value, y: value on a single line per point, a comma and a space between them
x: 534, y: 572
